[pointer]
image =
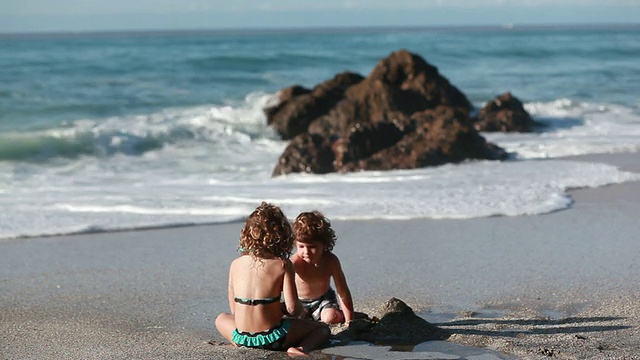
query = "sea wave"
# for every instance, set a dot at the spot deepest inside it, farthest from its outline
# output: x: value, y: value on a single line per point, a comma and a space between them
x: 572, y: 128
x: 269, y: 60
x: 139, y: 134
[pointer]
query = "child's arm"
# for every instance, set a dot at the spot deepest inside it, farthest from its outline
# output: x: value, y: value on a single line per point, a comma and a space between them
x: 290, y: 292
x: 344, y: 294
x: 230, y: 292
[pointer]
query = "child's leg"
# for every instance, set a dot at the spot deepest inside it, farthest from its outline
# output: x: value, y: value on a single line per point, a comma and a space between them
x: 225, y: 323
x: 331, y: 316
x: 305, y: 335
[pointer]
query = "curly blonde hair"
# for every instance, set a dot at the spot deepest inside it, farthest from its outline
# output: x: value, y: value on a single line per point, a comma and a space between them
x: 266, y: 233
x: 314, y: 226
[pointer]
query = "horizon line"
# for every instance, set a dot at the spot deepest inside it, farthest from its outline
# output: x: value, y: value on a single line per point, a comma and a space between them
x: 315, y: 29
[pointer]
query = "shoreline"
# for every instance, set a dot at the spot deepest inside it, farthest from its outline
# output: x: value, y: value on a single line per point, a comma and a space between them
x: 562, y: 283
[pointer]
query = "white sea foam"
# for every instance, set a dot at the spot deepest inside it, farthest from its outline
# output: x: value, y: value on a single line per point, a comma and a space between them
x: 474, y: 189
x: 574, y: 129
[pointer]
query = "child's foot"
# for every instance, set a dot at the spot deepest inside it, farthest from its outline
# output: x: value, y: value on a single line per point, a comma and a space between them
x: 296, y: 352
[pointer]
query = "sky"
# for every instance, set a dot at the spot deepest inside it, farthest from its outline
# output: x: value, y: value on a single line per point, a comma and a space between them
x: 17, y: 16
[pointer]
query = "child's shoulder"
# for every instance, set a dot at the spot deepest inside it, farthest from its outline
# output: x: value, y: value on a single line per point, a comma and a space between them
x: 331, y: 259
x: 242, y: 259
x: 330, y: 255
x: 248, y: 260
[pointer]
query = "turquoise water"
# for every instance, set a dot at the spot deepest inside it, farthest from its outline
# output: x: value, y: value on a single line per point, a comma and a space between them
x: 50, y: 80
x: 87, y: 118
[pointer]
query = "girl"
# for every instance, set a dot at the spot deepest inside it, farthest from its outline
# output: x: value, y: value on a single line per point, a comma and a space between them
x: 257, y: 280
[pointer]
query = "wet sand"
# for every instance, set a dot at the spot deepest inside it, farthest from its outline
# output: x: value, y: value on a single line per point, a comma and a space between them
x: 563, y: 284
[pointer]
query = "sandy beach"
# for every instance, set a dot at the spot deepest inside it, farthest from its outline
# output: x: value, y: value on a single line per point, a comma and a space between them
x: 562, y: 285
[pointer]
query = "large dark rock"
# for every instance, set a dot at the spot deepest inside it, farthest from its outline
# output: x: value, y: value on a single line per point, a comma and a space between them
x: 403, y: 115
x: 398, y: 86
x: 505, y: 113
x: 299, y: 106
x: 310, y: 153
x: 439, y: 136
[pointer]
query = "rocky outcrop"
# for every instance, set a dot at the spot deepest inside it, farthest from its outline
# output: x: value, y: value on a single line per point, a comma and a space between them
x: 310, y: 153
x: 403, y: 115
x: 299, y: 106
x: 505, y: 113
x: 442, y: 135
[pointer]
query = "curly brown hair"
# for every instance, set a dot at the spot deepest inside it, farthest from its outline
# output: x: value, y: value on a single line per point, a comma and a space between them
x: 266, y: 233
x: 314, y: 226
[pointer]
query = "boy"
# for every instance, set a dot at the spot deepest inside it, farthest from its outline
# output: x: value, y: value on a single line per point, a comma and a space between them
x: 315, y: 265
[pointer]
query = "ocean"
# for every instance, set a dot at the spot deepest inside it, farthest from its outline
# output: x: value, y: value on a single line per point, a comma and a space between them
x: 112, y: 131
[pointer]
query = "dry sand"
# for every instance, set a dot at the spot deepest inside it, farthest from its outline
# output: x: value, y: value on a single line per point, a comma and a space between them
x: 563, y: 285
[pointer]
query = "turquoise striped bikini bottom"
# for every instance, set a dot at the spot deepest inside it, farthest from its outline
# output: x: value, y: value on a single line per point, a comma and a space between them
x: 272, y: 339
